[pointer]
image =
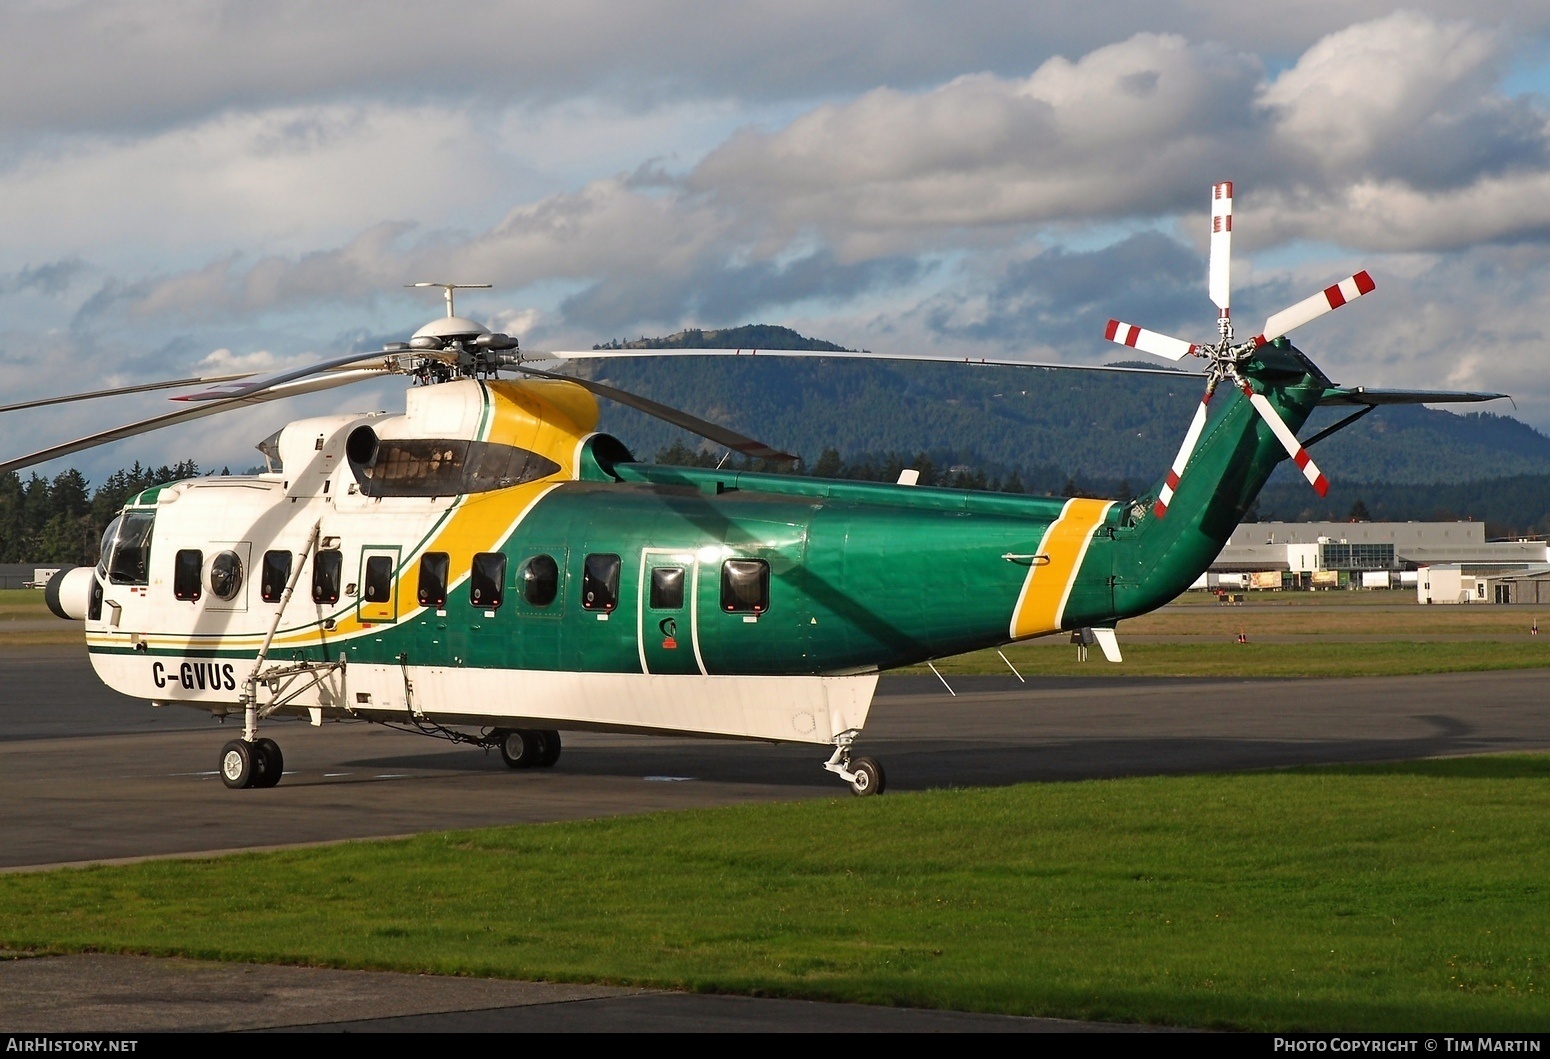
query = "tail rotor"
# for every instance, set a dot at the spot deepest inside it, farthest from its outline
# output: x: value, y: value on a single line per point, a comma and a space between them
x: 1226, y: 358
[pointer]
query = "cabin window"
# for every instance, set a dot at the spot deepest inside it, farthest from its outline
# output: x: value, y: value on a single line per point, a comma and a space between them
x: 327, y: 573
x: 600, y: 582
x: 126, y: 549
x: 540, y: 580
x: 745, y: 586
x: 379, y: 579
x: 439, y: 467
x: 667, y: 588
x: 433, y: 579
x: 487, y: 580
x: 276, y: 574
x: 226, y: 575
x: 187, y: 570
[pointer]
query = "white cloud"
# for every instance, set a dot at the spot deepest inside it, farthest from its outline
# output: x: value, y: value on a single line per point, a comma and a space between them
x: 116, y: 64
x: 1133, y: 129
x: 278, y: 179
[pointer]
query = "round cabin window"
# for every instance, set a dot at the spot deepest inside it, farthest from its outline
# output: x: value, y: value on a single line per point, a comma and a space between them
x: 226, y: 575
x: 540, y: 580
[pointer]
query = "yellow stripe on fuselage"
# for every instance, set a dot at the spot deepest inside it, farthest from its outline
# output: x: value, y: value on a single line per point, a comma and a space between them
x: 1042, y: 602
x: 545, y: 416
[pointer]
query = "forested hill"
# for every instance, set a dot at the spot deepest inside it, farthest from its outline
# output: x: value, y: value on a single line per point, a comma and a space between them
x: 1044, y: 425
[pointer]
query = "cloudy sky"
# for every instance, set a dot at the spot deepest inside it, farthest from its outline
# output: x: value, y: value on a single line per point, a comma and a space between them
x: 192, y: 185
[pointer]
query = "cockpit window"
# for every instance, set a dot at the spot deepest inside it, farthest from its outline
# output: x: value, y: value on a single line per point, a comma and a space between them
x: 126, y: 549
x: 432, y: 467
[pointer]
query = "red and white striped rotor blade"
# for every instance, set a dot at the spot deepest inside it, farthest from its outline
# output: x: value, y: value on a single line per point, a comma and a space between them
x: 1186, y: 450
x: 1219, y: 279
x: 1293, y: 447
x: 1326, y: 300
x: 1148, y: 341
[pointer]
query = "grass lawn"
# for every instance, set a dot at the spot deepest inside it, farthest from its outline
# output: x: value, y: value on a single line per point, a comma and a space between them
x: 17, y: 602
x: 1402, y: 897
x: 26, y: 605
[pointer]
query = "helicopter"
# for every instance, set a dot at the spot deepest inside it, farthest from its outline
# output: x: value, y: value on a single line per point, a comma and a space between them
x: 487, y: 567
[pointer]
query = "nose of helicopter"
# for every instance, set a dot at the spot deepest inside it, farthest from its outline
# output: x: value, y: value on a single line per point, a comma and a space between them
x: 69, y: 593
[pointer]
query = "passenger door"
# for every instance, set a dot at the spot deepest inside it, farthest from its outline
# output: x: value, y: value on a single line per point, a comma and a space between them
x: 664, y: 611
x: 377, y: 600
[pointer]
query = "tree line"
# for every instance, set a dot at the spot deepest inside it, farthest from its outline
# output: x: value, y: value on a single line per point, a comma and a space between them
x: 61, y: 519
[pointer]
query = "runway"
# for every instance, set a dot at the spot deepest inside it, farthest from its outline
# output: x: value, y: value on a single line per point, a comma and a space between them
x: 88, y: 776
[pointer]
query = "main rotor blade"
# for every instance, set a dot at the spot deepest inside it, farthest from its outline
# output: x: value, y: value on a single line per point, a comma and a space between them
x: 1186, y: 450
x: 142, y: 388
x: 1288, y: 440
x: 1219, y: 278
x: 695, y: 425
x: 184, y: 415
x: 846, y: 354
x: 290, y: 375
x: 1326, y: 300
x: 1148, y: 341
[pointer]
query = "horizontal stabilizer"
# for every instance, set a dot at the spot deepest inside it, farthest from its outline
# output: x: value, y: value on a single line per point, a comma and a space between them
x: 1359, y: 395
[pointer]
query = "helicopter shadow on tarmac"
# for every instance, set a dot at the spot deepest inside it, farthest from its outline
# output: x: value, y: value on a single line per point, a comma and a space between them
x: 915, y: 764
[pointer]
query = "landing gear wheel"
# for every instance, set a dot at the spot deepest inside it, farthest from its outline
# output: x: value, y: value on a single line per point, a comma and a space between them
x: 268, y: 752
x: 516, y: 752
x: 237, y: 764
x: 551, y: 752
x: 538, y: 751
x: 868, y: 777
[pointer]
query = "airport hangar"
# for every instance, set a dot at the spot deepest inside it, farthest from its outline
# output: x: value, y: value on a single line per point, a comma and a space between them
x: 1444, y: 562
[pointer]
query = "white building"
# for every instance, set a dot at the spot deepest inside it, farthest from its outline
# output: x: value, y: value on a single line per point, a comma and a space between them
x: 1368, y: 554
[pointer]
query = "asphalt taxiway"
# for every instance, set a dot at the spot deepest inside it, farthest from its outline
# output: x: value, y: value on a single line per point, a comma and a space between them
x: 88, y: 776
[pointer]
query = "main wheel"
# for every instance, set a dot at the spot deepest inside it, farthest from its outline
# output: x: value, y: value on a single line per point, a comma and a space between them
x: 237, y: 764
x: 538, y: 748
x: 869, y: 778
x: 551, y: 752
x: 516, y: 751
x: 268, y: 752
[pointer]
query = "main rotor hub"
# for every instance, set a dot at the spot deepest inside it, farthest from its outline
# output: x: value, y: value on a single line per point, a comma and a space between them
x: 448, y: 328
x: 456, y: 347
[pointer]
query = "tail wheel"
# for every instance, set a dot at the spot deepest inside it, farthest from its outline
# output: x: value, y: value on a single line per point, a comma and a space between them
x: 238, y: 765
x: 867, y: 778
x: 268, y: 752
